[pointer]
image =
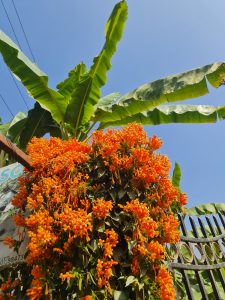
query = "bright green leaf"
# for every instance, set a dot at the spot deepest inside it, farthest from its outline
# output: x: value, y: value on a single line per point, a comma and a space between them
x: 203, y: 209
x: 120, y: 295
x: 176, y: 175
x: 35, y: 81
x: 39, y: 122
x: 87, y: 93
x: 166, y: 114
x: 68, y: 85
x: 173, y: 88
x: 130, y: 280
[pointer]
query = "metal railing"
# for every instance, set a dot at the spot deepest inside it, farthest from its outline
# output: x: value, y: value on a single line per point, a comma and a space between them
x: 198, y: 260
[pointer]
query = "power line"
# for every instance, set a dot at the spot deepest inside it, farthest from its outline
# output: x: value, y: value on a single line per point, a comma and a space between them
x: 7, y: 15
x: 31, y: 52
x: 17, y: 86
x: 21, y: 95
x: 7, y: 105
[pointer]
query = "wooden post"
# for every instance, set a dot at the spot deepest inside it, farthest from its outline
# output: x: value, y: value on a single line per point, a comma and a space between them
x: 21, y: 157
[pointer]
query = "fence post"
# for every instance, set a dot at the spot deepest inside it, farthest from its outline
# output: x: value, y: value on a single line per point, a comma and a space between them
x: 21, y: 157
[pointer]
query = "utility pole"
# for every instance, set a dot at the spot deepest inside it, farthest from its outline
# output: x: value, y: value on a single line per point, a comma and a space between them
x: 21, y: 157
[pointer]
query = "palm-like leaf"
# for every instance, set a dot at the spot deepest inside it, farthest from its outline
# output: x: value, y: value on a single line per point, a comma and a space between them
x: 67, y: 86
x: 12, y: 129
x: 35, y: 81
x: 178, y: 87
x: 166, y: 114
x: 38, y: 122
x: 176, y: 175
x: 87, y: 93
x: 204, y: 209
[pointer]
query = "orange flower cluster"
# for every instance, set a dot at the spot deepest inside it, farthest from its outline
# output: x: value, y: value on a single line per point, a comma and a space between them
x: 90, y: 207
x: 104, y: 272
x: 164, y: 279
x: 7, y: 287
x: 101, y: 208
x: 104, y: 267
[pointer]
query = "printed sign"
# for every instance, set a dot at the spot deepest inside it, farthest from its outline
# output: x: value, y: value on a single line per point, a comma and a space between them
x: 9, y: 173
x: 8, y: 188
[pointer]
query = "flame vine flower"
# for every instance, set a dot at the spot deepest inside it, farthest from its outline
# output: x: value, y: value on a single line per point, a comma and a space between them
x: 95, y: 214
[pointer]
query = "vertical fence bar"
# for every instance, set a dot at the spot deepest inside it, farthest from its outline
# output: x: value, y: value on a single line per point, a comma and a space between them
x: 197, y: 274
x: 209, y: 272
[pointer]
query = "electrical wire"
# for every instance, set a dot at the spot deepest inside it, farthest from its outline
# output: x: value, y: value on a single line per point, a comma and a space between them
x: 3, y: 100
x: 18, y: 88
x: 16, y: 37
x: 25, y: 35
x: 11, y: 25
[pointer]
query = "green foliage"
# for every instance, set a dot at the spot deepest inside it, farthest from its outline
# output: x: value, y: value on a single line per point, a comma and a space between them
x: 167, y: 114
x: 174, y: 88
x: 176, y: 175
x: 34, y: 80
x: 87, y: 92
x: 12, y: 130
x: 204, y: 209
x: 76, y: 106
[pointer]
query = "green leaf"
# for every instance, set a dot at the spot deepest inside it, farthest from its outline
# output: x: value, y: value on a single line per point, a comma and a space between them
x: 4, y: 128
x: 87, y: 93
x: 176, y: 175
x: 177, y: 87
x: 15, y: 131
x: 203, y: 209
x: 120, y: 295
x: 130, y: 280
x: 107, y: 100
x: 167, y: 114
x: 34, y: 80
x: 67, y: 86
x: 13, y: 128
x: 39, y: 122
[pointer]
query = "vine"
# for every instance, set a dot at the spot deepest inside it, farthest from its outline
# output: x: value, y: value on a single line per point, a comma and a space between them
x: 97, y: 217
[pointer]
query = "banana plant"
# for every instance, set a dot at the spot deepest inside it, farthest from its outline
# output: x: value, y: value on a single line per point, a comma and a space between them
x: 76, y: 105
x: 12, y: 131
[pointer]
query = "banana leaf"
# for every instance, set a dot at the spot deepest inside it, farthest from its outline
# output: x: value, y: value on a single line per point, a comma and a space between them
x: 176, y: 175
x: 38, y: 122
x: 67, y: 86
x: 166, y: 114
x: 87, y: 92
x: 174, y: 88
x: 34, y: 80
x: 203, y: 209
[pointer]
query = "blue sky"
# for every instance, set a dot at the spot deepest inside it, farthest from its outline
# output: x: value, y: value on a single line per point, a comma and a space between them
x: 161, y: 38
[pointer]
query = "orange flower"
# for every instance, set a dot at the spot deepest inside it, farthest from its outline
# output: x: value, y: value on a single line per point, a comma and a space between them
x: 8, y: 241
x: 155, y: 143
x: 157, y: 250
x: 6, y: 285
x: 104, y: 271
x: 37, y: 272
x: 183, y: 199
x: 137, y: 209
x: 135, y: 266
x: 88, y: 297
x: 66, y: 276
x: 165, y: 282
x: 101, y: 208
x: 110, y: 242
x: 77, y: 222
x: 36, y: 291
x: 62, y: 198
x: 170, y: 229
x: 19, y: 220
x: 149, y: 227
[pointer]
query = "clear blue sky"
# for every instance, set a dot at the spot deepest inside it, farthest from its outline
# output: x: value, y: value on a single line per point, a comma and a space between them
x: 161, y: 38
